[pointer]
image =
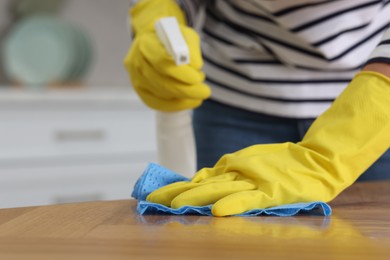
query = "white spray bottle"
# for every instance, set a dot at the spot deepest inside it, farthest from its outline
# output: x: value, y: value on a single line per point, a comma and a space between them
x: 175, y: 137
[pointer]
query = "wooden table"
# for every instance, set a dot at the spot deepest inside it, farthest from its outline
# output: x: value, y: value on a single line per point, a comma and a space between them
x: 358, y: 229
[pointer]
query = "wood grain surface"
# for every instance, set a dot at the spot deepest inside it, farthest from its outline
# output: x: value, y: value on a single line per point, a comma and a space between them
x: 358, y: 229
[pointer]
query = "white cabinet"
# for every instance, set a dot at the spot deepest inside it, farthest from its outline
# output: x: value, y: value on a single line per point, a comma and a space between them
x: 69, y: 146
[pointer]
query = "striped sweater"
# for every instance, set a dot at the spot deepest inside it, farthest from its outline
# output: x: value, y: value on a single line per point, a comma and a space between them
x: 288, y: 58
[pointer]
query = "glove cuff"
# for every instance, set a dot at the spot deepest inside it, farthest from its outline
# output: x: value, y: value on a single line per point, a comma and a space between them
x: 145, y: 14
x: 354, y: 131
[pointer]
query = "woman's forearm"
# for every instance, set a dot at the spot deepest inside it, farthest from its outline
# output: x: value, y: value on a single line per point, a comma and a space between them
x: 383, y: 68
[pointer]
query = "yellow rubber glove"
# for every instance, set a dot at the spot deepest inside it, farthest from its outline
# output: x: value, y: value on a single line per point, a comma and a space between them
x: 340, y: 145
x: 160, y: 83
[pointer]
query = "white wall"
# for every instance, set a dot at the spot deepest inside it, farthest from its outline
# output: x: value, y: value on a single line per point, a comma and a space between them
x: 106, y: 22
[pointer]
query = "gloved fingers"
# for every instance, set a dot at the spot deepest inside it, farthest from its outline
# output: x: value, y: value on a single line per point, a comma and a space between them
x: 175, y: 99
x: 195, y: 91
x: 157, y: 100
x: 168, y: 87
x: 131, y: 57
x: 166, y: 194
x: 157, y: 56
x: 209, y: 193
x: 206, y: 173
x: 183, y: 74
x: 240, y: 202
x: 193, y: 41
x: 166, y: 105
x: 131, y: 62
x: 225, y: 177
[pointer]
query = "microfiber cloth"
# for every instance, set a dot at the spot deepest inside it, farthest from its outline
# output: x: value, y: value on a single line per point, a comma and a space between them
x: 156, y: 176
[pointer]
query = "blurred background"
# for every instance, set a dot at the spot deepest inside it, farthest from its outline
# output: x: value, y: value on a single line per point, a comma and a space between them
x: 71, y: 128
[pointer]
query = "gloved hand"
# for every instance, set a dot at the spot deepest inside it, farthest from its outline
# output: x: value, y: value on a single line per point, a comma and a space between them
x: 160, y: 83
x: 340, y: 145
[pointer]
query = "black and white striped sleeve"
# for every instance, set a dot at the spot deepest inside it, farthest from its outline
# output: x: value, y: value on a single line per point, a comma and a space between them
x: 191, y: 9
x: 382, y: 52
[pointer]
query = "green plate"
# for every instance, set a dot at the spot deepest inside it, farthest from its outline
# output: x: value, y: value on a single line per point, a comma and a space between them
x: 84, y: 54
x: 41, y: 50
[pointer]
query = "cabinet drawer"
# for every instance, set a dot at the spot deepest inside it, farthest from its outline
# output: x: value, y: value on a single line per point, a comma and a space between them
x: 75, y: 132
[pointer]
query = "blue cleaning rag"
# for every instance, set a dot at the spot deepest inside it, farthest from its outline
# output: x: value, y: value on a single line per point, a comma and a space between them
x: 156, y: 176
